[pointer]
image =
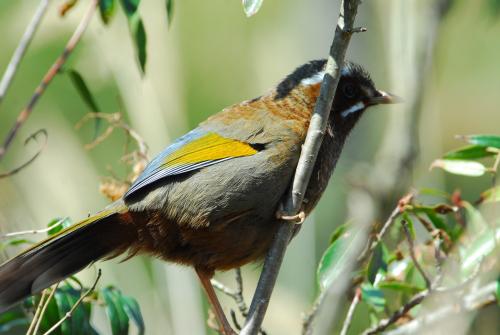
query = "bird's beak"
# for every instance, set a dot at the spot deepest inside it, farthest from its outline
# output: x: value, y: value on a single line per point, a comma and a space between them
x: 384, y: 98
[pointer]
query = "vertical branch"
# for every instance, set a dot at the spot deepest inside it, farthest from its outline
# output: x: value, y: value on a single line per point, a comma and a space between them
x: 293, y: 203
x: 26, y: 112
x: 22, y: 47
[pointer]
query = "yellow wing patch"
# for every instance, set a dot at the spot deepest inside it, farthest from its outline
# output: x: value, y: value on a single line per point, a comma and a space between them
x: 208, y: 148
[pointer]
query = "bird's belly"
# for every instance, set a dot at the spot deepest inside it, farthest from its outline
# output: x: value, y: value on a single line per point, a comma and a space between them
x: 218, y: 218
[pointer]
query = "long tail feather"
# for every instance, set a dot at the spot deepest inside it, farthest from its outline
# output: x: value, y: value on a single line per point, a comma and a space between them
x: 64, y: 254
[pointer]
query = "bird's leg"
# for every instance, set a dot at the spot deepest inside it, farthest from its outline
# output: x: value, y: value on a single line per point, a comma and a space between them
x: 298, y: 218
x: 205, y: 277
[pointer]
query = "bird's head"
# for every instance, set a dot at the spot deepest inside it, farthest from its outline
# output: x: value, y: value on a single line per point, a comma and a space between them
x: 355, y: 91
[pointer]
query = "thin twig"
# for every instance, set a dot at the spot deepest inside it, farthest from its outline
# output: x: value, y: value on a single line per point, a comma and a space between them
x: 350, y: 312
x: 47, y: 79
x: 115, y: 120
x: 32, y: 159
x: 384, y: 324
x: 307, y: 320
x: 237, y: 296
x: 402, y: 203
x: 312, y: 143
x: 36, y: 231
x: 419, y: 297
x: 37, y: 312
x: 23, y: 45
x: 77, y: 303
x: 414, y: 256
x: 39, y: 321
x: 469, y: 302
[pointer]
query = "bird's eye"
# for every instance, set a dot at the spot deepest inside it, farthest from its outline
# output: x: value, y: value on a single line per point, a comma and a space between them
x: 349, y: 91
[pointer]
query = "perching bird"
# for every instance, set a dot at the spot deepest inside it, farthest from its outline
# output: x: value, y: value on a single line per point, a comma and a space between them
x: 210, y: 199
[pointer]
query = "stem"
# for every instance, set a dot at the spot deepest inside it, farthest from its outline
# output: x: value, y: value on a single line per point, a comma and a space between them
x: 18, y: 55
x: 47, y: 79
x: 312, y: 143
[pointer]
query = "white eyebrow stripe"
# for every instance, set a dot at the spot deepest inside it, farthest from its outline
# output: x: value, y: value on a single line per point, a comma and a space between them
x: 354, y: 108
x: 315, y: 79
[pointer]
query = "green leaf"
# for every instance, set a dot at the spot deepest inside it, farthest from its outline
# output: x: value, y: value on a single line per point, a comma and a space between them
x: 87, y: 97
x: 51, y: 316
x: 130, y: 7
x: 434, y: 192
x: 12, y: 319
x: 484, y: 140
x: 333, y: 263
x: 398, y: 286
x: 59, y: 223
x: 169, y: 5
x: 460, y: 167
x: 475, y: 221
x: 83, y: 90
x: 139, y: 35
x: 251, y: 7
x: 64, y: 306
x: 378, y: 262
x: 411, y: 227
x: 494, y: 6
x: 131, y: 307
x: 338, y: 232
x: 373, y: 296
x: 477, y: 250
x: 137, y: 30
x: 14, y: 242
x: 106, y: 9
x: 491, y: 195
x: 116, y: 313
x: 469, y: 152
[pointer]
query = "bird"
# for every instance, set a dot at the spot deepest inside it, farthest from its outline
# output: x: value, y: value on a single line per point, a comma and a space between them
x: 211, y: 199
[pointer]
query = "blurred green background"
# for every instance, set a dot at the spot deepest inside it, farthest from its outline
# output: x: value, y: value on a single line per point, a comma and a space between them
x: 210, y: 57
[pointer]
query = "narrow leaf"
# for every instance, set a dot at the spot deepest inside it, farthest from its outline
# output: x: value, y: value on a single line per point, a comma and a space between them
x: 398, y: 286
x: 59, y: 224
x: 106, y: 9
x: 169, y: 4
x: 139, y: 35
x: 461, y: 167
x: 433, y: 192
x: 131, y: 307
x: 130, y: 7
x: 251, y: 7
x: 484, y: 140
x: 83, y: 90
x: 373, y: 296
x: 64, y: 305
x: 469, y: 152
x: 378, y: 262
x: 114, y: 309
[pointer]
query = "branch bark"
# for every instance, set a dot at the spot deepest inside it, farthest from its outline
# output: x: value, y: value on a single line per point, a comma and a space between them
x: 22, y: 47
x: 312, y: 143
x: 47, y: 79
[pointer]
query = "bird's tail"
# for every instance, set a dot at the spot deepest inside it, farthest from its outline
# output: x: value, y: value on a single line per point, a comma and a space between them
x: 106, y: 234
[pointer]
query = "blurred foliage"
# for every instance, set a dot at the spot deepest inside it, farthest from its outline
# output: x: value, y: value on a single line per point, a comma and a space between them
x: 71, y: 298
x: 454, y: 231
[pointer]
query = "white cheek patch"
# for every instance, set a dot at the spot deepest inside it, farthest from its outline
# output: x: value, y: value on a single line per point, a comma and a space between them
x: 353, y: 109
x: 315, y: 79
